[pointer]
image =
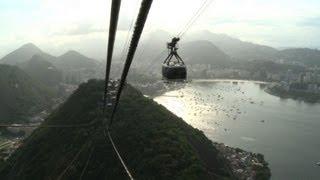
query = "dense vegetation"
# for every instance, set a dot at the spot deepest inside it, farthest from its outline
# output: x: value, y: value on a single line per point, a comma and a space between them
x: 20, y: 96
x: 155, y: 143
x: 42, y: 71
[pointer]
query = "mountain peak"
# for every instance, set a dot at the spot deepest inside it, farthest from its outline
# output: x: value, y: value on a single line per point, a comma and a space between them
x: 22, y: 54
x: 29, y: 46
x: 73, y: 59
x: 72, y: 53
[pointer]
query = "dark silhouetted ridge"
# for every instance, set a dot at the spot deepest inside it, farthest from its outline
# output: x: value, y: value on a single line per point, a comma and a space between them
x: 154, y: 143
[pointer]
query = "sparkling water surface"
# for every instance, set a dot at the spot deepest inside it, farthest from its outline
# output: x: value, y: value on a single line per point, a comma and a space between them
x: 241, y: 114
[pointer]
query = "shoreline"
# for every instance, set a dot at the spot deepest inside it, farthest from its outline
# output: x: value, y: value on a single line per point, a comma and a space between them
x: 297, y: 96
x: 229, y: 80
x: 244, y: 164
x: 160, y: 88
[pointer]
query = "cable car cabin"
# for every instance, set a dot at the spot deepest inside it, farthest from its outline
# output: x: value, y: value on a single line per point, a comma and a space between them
x: 174, y: 72
x: 173, y: 69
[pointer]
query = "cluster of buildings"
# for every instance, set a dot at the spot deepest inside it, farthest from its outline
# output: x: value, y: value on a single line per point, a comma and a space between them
x: 208, y: 71
x: 79, y: 76
x: 308, y: 82
x: 244, y: 165
x: 8, y: 147
x: 300, y: 81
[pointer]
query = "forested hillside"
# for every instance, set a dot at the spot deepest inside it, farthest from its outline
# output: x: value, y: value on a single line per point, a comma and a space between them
x: 42, y: 71
x: 20, y: 96
x: 154, y: 143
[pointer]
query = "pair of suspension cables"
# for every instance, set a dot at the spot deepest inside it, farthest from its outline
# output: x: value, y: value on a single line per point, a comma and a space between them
x: 203, y: 7
x: 139, y: 26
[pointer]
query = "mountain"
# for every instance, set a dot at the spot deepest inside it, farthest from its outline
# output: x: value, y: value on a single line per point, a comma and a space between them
x: 25, y: 53
x: 77, y: 68
x: 69, y: 60
x: 154, y: 143
x: 73, y: 60
x: 153, y: 52
x: 203, y: 52
x: 202, y: 47
x: 302, y: 55
x: 20, y: 96
x: 153, y: 49
x: 236, y: 48
x: 42, y: 71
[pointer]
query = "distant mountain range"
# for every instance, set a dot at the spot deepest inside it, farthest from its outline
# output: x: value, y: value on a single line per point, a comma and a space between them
x: 25, y: 53
x: 247, y: 51
x: 203, y: 47
x: 237, y: 49
x: 218, y: 49
x: 30, y: 78
x: 70, y: 60
x: 153, y: 50
x: 71, y: 67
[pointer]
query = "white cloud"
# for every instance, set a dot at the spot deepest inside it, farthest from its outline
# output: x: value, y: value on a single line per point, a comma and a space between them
x: 58, y: 25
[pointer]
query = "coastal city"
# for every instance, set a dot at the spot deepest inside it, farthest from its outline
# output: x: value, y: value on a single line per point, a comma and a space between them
x: 305, y: 80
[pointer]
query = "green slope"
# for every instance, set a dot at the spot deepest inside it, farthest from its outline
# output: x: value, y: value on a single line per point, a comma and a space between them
x: 39, y: 69
x: 20, y: 96
x: 155, y: 143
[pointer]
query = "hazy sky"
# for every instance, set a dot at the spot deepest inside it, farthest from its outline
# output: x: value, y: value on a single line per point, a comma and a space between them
x: 60, y: 25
